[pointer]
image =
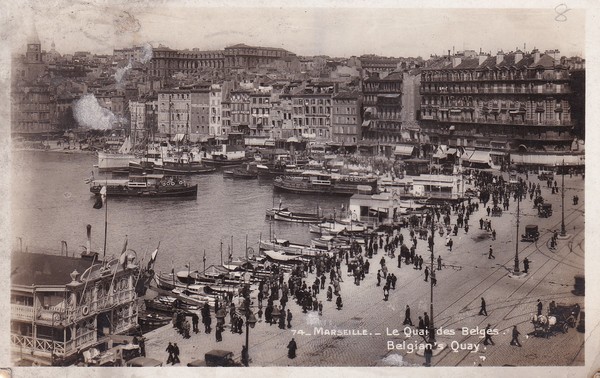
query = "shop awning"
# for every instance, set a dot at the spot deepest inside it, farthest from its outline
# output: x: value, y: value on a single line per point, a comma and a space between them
x: 404, y: 150
x: 548, y: 160
x: 366, y: 123
x: 451, y: 151
x: 178, y: 137
x: 480, y: 157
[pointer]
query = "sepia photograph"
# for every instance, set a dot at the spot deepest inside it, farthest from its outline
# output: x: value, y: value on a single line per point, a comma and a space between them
x: 322, y: 185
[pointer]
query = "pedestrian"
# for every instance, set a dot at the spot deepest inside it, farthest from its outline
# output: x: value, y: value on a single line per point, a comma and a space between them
x: 320, y: 308
x: 245, y: 361
x: 426, y: 321
x: 407, y: 319
x: 386, y: 292
x: 330, y: 293
x: 292, y: 349
x: 426, y: 273
x: 488, y: 335
x: 491, y: 253
x: 515, y: 337
x: 450, y: 243
x: 433, y: 279
x: 525, y: 265
x: 421, y: 323
x: 379, y: 277
x: 175, y: 354
x: 338, y: 302
x: 428, y: 353
x: 481, y: 223
x: 219, y: 332
x: 494, y: 234
x: 195, y: 320
x: 399, y: 260
x: 466, y: 228
x: 483, y: 310
x: 439, y: 262
x: 394, y: 279
x: 289, y: 318
x: 170, y: 351
x: 539, y: 307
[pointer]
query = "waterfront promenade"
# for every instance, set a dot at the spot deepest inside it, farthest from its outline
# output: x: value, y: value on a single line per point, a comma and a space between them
x: 467, y: 276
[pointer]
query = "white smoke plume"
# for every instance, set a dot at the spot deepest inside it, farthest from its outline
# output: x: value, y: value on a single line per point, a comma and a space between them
x: 88, y: 113
x: 147, y: 53
x: 121, y: 72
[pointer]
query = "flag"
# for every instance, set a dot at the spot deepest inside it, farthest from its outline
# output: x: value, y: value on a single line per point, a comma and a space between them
x: 153, y: 258
x: 123, y: 259
x: 125, y: 245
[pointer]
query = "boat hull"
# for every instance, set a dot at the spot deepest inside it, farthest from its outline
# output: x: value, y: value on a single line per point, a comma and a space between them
x: 108, y: 162
x: 224, y: 162
x: 174, y: 168
x: 290, y: 216
x: 170, y: 191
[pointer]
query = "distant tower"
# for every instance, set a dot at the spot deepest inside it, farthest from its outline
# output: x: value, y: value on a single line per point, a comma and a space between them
x: 34, y: 66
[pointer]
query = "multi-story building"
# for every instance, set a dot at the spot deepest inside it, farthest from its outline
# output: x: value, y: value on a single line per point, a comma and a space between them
x: 62, y: 306
x: 215, y: 110
x: 166, y: 62
x: 311, y: 113
x: 200, y: 113
x: 225, y: 117
x: 346, y: 119
x: 239, y: 102
x: 248, y: 57
x: 33, y: 110
x: 513, y: 101
x: 174, y: 112
x: 382, y: 125
x: 260, y: 111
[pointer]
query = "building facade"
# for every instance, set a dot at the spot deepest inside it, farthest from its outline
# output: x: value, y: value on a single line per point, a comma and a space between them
x: 62, y: 306
x: 200, y: 113
x: 346, y: 119
x: 174, y: 112
x: 166, y: 62
x: 242, y: 56
x: 513, y: 101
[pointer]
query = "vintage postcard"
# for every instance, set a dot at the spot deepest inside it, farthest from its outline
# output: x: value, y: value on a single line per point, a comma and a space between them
x: 353, y: 187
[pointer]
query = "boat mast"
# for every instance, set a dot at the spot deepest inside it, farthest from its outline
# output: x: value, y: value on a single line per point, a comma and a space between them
x: 105, y: 217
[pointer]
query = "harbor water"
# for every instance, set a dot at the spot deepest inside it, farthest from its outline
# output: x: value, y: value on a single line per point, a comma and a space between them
x: 51, y: 203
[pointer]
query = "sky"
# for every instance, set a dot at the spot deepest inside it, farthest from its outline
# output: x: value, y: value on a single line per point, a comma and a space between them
x: 317, y: 29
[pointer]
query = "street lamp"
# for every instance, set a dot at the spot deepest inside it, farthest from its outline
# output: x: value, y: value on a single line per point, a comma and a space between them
x: 431, y: 327
x: 563, y: 230
x: 517, y: 271
x: 250, y: 323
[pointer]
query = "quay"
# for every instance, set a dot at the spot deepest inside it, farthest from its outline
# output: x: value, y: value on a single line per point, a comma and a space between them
x: 466, y: 276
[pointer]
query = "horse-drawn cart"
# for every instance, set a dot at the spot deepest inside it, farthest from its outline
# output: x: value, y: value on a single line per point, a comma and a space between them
x: 560, y: 317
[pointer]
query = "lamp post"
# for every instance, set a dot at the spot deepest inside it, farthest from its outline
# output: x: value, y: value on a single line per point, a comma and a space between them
x: 563, y: 230
x: 517, y: 271
x: 250, y: 323
x: 431, y: 326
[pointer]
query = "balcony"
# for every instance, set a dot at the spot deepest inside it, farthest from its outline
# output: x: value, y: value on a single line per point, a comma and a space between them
x: 27, y: 344
x: 498, y: 91
x: 562, y: 77
x: 481, y: 120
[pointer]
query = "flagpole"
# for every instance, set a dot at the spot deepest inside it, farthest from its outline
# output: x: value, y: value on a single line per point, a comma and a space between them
x: 105, y: 218
x: 204, y: 261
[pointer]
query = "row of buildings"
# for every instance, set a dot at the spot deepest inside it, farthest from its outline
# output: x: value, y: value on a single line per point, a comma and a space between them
x: 515, y: 101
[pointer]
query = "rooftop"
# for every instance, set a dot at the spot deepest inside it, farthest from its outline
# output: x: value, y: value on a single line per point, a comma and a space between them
x: 38, y: 269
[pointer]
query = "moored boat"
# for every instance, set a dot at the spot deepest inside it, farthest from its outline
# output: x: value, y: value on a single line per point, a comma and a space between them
x: 146, y: 185
x: 284, y: 246
x: 297, y: 217
x: 326, y: 183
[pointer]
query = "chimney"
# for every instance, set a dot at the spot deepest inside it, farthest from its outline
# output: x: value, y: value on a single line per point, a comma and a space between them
x: 482, y: 58
x: 518, y: 56
x: 499, y: 57
x: 89, y: 238
x: 536, y: 55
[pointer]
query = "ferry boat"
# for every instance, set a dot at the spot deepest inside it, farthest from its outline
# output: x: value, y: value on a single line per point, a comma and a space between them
x: 116, y: 161
x: 146, y: 185
x: 326, y: 183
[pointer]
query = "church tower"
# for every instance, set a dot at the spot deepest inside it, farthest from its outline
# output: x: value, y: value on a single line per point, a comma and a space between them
x: 34, y: 65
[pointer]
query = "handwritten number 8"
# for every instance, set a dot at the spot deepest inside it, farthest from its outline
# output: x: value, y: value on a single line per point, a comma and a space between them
x: 561, y: 10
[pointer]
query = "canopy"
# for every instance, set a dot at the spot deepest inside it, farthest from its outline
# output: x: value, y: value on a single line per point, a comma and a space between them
x: 366, y: 123
x: 549, y: 160
x: 178, y: 137
x: 404, y: 150
x: 480, y: 157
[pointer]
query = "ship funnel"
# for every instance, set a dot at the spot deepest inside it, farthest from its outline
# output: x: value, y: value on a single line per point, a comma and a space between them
x: 89, y: 238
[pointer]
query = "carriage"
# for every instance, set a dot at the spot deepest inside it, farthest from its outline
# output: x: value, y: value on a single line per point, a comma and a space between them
x: 496, y: 211
x: 545, y: 210
x: 531, y: 233
x: 560, y: 317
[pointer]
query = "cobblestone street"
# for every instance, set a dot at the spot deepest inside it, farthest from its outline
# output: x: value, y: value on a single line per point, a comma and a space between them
x: 467, y: 276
